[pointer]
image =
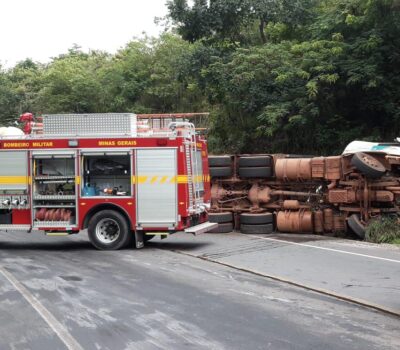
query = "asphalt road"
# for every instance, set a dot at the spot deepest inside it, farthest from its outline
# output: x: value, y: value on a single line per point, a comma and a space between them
x: 360, y: 271
x: 58, y: 293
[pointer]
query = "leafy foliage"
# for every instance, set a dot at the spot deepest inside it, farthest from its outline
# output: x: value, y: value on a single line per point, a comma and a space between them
x: 384, y: 230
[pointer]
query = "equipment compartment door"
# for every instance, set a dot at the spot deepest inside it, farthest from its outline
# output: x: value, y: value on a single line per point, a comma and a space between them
x: 13, y: 171
x: 156, y: 194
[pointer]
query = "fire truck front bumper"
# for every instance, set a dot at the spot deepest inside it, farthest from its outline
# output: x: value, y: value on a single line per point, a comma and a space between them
x: 202, y: 228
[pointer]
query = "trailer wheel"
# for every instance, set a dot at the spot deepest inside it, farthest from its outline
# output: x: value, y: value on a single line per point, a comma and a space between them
x: 257, y: 229
x: 259, y: 172
x: 368, y: 165
x: 252, y: 161
x: 220, y: 218
x: 223, y: 228
x: 215, y: 161
x: 221, y: 172
x: 108, y: 230
x: 256, y: 219
x: 356, y: 225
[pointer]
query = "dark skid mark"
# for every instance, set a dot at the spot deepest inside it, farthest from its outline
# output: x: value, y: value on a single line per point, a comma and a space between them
x: 71, y: 278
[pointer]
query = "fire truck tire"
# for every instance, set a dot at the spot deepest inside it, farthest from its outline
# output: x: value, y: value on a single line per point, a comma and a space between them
x: 220, y: 218
x: 221, y: 172
x: 109, y: 230
x: 356, y: 225
x: 255, y: 161
x: 215, y: 161
x: 223, y: 228
x: 257, y: 229
x: 259, y: 172
x: 368, y: 165
x: 256, y: 219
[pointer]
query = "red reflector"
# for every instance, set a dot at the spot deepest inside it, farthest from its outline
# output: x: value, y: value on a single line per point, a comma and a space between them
x: 162, y: 142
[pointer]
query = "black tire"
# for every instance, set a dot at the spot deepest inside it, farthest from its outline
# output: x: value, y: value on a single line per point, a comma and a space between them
x: 216, y: 161
x: 223, y: 228
x: 263, y: 161
x: 260, y: 172
x: 221, y: 172
x: 368, y: 165
x: 257, y: 229
x: 220, y: 218
x: 256, y: 219
x: 116, y: 221
x: 356, y: 225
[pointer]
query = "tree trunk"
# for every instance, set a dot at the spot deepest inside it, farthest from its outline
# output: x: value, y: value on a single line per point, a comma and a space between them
x: 262, y: 34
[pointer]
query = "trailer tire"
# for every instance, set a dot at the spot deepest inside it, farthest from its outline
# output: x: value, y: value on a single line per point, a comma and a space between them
x: 254, y: 161
x: 221, y: 172
x: 109, y: 230
x: 259, y: 172
x: 256, y: 219
x: 223, y: 228
x: 257, y: 229
x: 220, y: 218
x: 356, y: 226
x: 216, y: 161
x: 368, y: 165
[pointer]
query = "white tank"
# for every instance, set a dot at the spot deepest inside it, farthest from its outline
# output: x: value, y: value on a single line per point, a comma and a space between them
x: 11, y: 132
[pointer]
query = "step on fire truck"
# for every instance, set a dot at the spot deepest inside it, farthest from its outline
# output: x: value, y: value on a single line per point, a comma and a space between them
x: 123, y: 177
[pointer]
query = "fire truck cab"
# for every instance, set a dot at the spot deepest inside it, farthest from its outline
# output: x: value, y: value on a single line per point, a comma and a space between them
x: 123, y: 178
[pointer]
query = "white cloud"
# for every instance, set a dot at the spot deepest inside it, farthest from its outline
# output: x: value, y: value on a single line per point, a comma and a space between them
x: 41, y: 29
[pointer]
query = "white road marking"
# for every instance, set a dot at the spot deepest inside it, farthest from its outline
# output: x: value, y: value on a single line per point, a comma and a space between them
x: 328, y: 249
x: 53, y: 323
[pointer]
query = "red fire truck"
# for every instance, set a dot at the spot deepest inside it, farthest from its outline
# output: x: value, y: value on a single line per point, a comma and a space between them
x: 121, y: 176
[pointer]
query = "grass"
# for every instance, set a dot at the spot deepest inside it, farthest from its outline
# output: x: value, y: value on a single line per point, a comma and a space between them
x: 396, y: 241
x: 384, y: 230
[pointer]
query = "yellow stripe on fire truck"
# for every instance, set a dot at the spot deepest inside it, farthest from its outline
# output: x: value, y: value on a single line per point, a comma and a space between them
x: 152, y: 179
x: 13, y: 180
x: 157, y: 179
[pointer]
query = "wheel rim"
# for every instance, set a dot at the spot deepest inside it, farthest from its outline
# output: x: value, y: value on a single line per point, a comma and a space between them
x: 372, y: 162
x: 107, y: 231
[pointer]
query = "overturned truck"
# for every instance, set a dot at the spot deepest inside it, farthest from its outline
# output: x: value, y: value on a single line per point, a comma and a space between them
x: 323, y: 195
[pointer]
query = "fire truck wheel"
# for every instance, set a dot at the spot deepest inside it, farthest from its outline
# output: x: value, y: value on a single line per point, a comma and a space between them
x: 259, y: 172
x: 368, y: 165
x: 221, y: 172
x: 356, y: 225
x: 254, y: 161
x: 219, y: 161
x: 257, y: 229
x: 220, y: 217
x: 223, y: 228
x: 108, y: 230
x: 256, y: 219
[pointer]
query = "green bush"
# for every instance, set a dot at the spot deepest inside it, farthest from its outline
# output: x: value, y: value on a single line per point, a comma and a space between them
x: 384, y: 230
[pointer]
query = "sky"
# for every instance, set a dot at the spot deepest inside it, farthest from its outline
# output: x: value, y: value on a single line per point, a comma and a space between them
x: 41, y: 29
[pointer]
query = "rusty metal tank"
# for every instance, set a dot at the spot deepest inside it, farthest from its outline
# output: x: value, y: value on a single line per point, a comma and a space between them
x: 319, y: 221
x: 300, y: 221
x: 291, y: 204
x: 296, y: 169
